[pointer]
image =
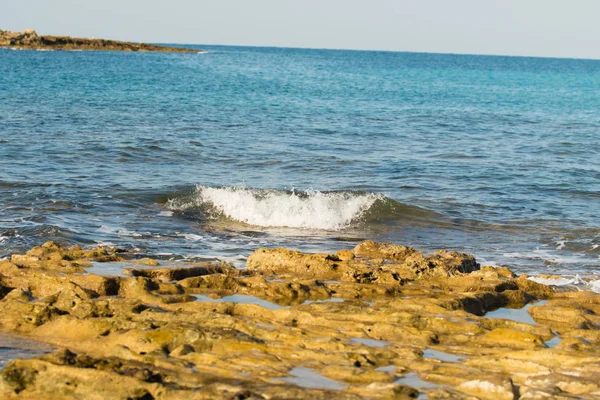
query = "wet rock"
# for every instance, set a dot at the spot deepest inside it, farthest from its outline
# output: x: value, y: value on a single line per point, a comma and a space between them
x: 177, y: 274
x: 567, y: 315
x: 374, y: 314
x: 46, y: 283
x: 150, y: 262
x: 381, y: 263
x: 52, y: 257
x: 504, y: 337
x: 153, y: 292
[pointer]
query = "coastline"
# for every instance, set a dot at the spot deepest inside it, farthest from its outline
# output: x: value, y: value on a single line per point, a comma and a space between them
x: 376, y: 321
x: 215, y: 161
x: 30, y: 40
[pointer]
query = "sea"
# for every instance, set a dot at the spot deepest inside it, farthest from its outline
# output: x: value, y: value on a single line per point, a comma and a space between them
x: 188, y: 157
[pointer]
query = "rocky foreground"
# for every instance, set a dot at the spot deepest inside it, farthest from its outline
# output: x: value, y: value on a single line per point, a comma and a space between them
x: 29, y: 39
x: 381, y: 321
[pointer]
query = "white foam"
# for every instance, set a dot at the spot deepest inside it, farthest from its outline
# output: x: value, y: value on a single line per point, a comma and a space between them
x: 562, y: 281
x: 547, y: 256
x: 193, y: 237
x: 273, y: 208
x: 105, y: 244
x: 238, y: 261
x: 593, y: 285
x: 119, y: 231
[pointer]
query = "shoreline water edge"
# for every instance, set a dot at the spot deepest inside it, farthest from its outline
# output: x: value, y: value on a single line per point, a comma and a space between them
x: 376, y: 321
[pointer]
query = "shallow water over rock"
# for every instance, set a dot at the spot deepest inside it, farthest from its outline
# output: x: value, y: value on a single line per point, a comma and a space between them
x: 306, y: 377
x: 12, y: 347
x: 240, y: 299
x: 515, y: 314
x: 413, y: 380
x: 112, y: 269
x: 442, y: 356
x: 331, y: 300
x: 555, y: 341
x: 371, y: 342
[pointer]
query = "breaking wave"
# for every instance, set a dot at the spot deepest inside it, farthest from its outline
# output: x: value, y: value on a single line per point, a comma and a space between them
x: 280, y: 208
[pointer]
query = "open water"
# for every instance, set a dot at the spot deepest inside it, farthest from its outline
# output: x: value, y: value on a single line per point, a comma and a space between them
x: 186, y: 156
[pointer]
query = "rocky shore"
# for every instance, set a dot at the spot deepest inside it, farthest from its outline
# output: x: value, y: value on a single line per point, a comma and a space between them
x: 29, y: 39
x: 380, y: 321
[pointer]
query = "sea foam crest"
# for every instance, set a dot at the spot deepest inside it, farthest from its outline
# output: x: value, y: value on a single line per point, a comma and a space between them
x: 276, y: 208
x: 591, y: 284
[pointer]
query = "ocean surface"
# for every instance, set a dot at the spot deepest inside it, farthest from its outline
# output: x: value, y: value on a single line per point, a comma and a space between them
x: 213, y: 155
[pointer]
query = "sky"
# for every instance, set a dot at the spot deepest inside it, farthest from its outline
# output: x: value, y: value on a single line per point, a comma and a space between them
x: 547, y: 28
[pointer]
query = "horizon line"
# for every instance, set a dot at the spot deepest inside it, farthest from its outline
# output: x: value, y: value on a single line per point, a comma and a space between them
x: 379, y: 51
x: 581, y: 58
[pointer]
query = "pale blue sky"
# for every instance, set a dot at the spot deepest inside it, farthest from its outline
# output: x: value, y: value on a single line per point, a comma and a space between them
x: 558, y: 28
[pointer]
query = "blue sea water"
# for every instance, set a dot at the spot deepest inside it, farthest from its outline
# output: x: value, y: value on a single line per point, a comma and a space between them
x: 217, y: 154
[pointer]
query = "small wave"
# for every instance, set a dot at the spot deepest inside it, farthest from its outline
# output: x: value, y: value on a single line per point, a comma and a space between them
x: 193, y: 237
x: 277, y: 208
x: 577, y: 281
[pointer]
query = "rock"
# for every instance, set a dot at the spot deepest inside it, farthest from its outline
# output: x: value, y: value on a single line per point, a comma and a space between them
x: 180, y: 273
x: 557, y: 383
x: 565, y: 315
x: 374, y: 250
x: 369, y: 266
x: 150, y: 262
x: 345, y: 255
x: 29, y: 39
x: 489, y: 388
x: 182, y: 350
x: 504, y: 337
x: 50, y: 257
x: 376, y: 313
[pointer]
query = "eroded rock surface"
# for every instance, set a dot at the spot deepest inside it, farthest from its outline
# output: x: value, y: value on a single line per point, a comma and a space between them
x: 29, y: 39
x: 380, y: 321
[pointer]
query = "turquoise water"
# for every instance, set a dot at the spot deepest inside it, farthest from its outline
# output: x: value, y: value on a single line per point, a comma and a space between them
x: 216, y: 154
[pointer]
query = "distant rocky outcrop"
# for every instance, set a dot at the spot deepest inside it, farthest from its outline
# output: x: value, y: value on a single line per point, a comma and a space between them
x: 29, y: 39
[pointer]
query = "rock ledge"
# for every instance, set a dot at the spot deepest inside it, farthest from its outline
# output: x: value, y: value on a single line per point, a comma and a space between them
x: 29, y: 39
